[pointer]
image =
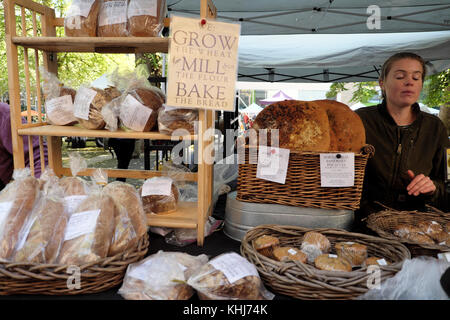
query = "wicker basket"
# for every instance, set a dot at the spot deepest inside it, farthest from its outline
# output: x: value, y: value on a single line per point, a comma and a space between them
x: 304, y: 281
x: 303, y: 186
x: 385, y: 222
x: 52, y: 279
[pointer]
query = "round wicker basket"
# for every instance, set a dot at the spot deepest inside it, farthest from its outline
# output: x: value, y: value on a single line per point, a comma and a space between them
x: 386, y: 221
x: 54, y: 279
x: 304, y: 281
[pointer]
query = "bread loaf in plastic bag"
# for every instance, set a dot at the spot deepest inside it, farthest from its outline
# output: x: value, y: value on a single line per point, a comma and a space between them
x: 112, y: 19
x: 146, y: 17
x: 81, y: 18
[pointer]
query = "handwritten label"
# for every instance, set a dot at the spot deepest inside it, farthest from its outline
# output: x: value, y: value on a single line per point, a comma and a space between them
x: 134, y: 114
x: 272, y: 164
x: 161, y: 186
x: 60, y: 110
x: 112, y: 12
x: 81, y: 223
x: 337, y: 169
x: 234, y: 267
x: 203, y: 64
x: 142, y: 8
x: 82, y: 103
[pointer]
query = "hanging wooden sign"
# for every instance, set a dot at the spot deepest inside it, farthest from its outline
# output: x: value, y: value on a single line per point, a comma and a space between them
x: 203, y: 61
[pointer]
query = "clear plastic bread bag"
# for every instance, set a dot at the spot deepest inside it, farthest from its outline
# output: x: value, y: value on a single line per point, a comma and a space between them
x: 161, y: 276
x: 17, y: 201
x: 419, y: 279
x: 43, y: 233
x: 130, y: 221
x: 146, y: 17
x: 90, y: 230
x: 182, y: 120
x: 112, y: 19
x: 159, y: 195
x: 75, y: 186
x: 229, y: 276
x: 81, y: 18
x: 59, y: 100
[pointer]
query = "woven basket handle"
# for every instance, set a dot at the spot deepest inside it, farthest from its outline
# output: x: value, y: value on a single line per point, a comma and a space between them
x: 368, y: 149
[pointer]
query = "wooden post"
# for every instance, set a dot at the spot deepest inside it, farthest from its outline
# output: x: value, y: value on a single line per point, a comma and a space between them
x: 13, y: 83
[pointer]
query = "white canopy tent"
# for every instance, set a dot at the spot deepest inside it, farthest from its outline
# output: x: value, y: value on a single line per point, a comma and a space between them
x: 330, y: 40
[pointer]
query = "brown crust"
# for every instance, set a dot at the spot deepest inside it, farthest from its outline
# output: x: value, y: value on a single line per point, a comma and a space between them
x: 324, y: 262
x: 146, y: 25
x: 88, y: 25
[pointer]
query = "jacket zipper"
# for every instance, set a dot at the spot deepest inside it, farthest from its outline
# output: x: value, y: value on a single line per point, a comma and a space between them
x: 397, y: 158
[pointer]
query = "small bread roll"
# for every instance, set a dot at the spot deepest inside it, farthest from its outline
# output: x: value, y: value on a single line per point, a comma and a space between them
x: 265, y: 245
x: 314, y: 244
x: 330, y: 262
x: 433, y: 229
x: 373, y: 261
x: 355, y: 253
x: 289, y: 253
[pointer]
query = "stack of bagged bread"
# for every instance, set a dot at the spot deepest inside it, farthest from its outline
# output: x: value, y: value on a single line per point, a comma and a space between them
x: 115, y: 18
x: 316, y: 250
x: 320, y: 125
x: 67, y: 221
x: 425, y: 232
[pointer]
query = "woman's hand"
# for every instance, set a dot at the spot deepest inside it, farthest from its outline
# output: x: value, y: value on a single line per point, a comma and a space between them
x: 420, y: 184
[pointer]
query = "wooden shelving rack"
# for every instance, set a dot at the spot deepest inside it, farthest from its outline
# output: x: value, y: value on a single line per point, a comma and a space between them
x: 45, y: 44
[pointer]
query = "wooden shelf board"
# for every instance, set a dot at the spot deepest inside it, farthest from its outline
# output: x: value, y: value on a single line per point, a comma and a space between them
x: 95, y: 44
x: 184, y: 217
x: 75, y: 131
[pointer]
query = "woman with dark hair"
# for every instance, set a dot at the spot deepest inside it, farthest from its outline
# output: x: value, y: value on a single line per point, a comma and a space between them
x: 408, y: 168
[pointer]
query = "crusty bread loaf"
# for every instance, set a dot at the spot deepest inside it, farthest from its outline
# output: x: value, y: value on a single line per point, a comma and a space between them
x: 265, y: 245
x: 404, y: 229
x: 160, y: 204
x: 433, y: 229
x: 151, y: 99
x: 22, y: 195
x: 289, y: 253
x: 372, y: 261
x: 146, y: 25
x: 355, y: 253
x: 126, y: 195
x: 46, y: 234
x: 112, y: 29
x: 73, y: 186
x: 347, y: 131
x: 332, y: 263
x: 170, y: 120
x: 93, y: 246
x: 79, y: 26
x: 302, y: 125
x: 102, y: 97
x: 314, y: 244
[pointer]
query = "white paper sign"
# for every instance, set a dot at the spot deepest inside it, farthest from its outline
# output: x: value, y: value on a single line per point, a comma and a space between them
x: 382, y: 262
x: 60, y: 110
x: 81, y: 223
x: 5, y: 207
x: 71, y: 203
x: 292, y: 252
x: 332, y: 256
x: 83, y: 100
x: 80, y: 8
x: 134, y: 114
x: 234, y: 267
x: 272, y: 164
x: 159, y: 186
x: 337, y: 169
x: 112, y: 12
x: 142, y: 8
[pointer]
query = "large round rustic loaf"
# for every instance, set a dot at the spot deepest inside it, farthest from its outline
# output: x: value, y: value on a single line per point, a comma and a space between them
x: 143, y: 22
x: 171, y: 119
x: 347, y: 131
x: 81, y: 26
x: 151, y: 100
x: 302, y: 125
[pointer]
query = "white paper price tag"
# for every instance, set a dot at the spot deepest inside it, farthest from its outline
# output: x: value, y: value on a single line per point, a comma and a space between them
x: 80, y: 8
x: 134, y: 114
x: 81, y: 223
x: 234, y: 267
x: 292, y: 252
x: 82, y: 102
x: 60, y: 110
x: 5, y: 207
x: 160, y: 186
x: 332, y: 256
x: 272, y: 164
x: 382, y: 262
x: 142, y: 8
x: 337, y: 169
x: 112, y: 12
